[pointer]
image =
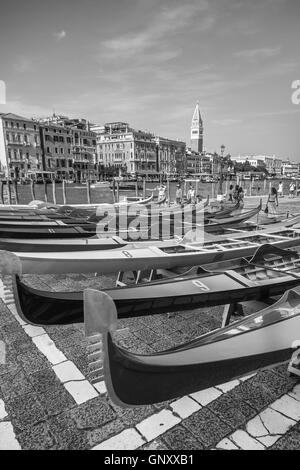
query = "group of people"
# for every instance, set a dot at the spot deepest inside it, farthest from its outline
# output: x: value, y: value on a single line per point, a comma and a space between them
x: 236, y: 194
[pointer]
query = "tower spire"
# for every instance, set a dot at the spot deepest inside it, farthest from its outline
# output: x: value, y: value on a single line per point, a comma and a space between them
x: 197, y: 130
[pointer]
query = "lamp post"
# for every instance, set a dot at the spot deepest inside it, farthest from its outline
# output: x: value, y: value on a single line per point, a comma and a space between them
x: 221, y: 170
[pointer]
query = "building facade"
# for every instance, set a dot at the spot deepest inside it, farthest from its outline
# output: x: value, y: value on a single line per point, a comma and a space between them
x: 170, y: 155
x: 197, y: 131
x: 20, y: 146
x: 137, y: 152
x: 69, y: 148
x: 57, y: 150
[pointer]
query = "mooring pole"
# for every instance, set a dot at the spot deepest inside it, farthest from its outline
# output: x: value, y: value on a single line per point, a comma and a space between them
x: 1, y: 192
x: 54, y: 191
x: 16, y: 192
x: 64, y: 192
x: 32, y: 188
x: 45, y: 191
x: 88, y: 191
x: 9, y: 192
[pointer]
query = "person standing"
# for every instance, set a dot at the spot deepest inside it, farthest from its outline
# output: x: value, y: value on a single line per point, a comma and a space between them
x: 272, y: 203
x: 191, y: 195
x: 280, y: 189
x: 230, y: 193
x: 292, y: 189
x: 178, y: 194
x: 240, y: 197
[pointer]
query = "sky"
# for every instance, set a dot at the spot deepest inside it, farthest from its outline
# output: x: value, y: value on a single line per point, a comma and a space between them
x: 148, y: 62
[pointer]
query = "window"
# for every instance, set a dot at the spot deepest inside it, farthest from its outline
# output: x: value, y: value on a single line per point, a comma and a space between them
x: 48, y: 149
x: 18, y: 125
x: 61, y: 150
x: 56, y: 150
x: 24, y: 126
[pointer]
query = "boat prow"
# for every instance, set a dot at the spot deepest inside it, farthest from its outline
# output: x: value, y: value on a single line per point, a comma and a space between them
x: 10, y: 263
x: 260, y: 341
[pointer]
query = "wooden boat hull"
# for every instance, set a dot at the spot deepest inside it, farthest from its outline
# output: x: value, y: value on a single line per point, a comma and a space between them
x: 228, y: 282
x: 262, y: 340
x: 64, y: 244
x: 167, y: 257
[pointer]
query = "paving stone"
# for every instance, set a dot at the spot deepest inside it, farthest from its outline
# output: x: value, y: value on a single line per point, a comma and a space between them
x: 129, y: 439
x: 180, y: 438
x: 67, y: 371
x: 157, y: 444
x: 8, y: 439
x: 256, y: 395
x: 3, y: 412
x: 228, y: 386
x: 48, y: 348
x: 132, y: 416
x: 207, y: 427
x: 268, y: 441
x: 185, y: 407
x: 96, y: 436
x: 66, y: 434
x: 25, y: 411
x: 227, y: 444
x: 274, y: 383
x: 204, y: 397
x: 11, y: 364
x: 93, y: 414
x: 288, y: 406
x: 32, y: 362
x: 13, y: 332
x: 33, y: 331
x: 37, y: 437
x: 234, y: 412
x: 157, y: 424
x: 82, y: 391
x: 275, y: 422
x: 246, y: 442
x: 56, y: 399
x: 44, y: 380
x: 15, y: 384
x: 290, y: 441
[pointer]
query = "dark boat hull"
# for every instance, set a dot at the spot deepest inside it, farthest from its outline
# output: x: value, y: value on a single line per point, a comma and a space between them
x: 180, y: 293
x: 260, y: 341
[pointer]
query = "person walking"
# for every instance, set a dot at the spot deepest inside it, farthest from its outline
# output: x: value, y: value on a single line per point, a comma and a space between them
x: 272, y: 203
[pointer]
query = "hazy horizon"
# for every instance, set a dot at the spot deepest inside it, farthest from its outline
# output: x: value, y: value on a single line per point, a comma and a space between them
x: 147, y: 62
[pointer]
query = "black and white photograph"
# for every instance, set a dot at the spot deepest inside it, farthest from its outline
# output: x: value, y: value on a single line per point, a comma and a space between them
x: 150, y: 227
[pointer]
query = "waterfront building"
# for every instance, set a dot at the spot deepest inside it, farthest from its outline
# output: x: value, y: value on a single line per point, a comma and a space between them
x: 76, y: 147
x: 132, y: 151
x: 290, y: 169
x: 20, y: 146
x: 197, y: 131
x: 57, y: 154
x: 137, y: 152
x: 170, y: 155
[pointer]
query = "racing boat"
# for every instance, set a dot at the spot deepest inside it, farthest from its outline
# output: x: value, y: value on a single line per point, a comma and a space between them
x: 269, y: 273
x: 165, y: 256
x: 261, y: 340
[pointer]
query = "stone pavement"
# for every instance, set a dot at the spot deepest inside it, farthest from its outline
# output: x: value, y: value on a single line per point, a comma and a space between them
x: 47, y: 401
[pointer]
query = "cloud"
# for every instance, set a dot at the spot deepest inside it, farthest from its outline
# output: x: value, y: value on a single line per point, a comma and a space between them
x: 59, y: 36
x: 261, y: 53
x: 167, y: 22
x: 23, y: 64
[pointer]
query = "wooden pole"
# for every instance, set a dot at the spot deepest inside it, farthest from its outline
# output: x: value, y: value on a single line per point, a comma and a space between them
x: 114, y: 189
x: 265, y: 183
x: 1, y: 192
x: 9, y: 192
x: 16, y: 192
x: 144, y: 188
x: 64, y: 192
x: 32, y: 188
x: 118, y: 191
x: 54, y: 191
x: 136, y: 188
x: 45, y: 191
x: 168, y: 191
x: 88, y: 191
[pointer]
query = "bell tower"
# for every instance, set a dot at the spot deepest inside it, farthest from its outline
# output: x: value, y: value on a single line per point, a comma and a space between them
x: 197, y: 131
